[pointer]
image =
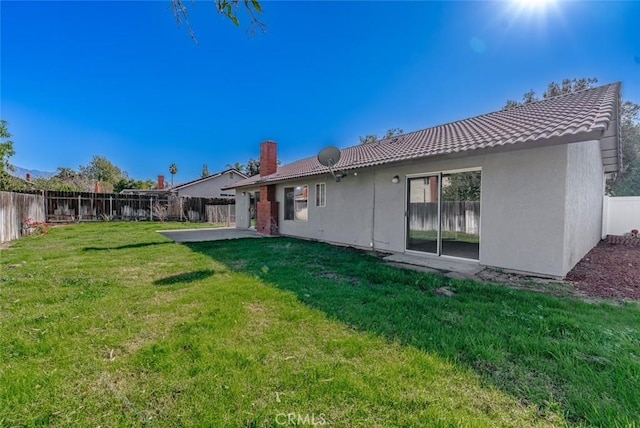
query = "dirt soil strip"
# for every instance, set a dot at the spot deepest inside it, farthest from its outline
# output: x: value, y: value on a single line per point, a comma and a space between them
x: 610, y: 270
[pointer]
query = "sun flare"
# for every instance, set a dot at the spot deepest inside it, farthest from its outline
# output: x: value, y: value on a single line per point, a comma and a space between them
x: 534, y: 4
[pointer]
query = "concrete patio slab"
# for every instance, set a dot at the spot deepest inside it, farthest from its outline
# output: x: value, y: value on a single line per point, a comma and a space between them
x: 213, y: 234
x: 460, y: 269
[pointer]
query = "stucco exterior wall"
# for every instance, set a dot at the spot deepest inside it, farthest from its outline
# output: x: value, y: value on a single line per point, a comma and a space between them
x: 243, y: 219
x: 346, y: 218
x: 583, y: 201
x: 522, y: 211
x: 210, y: 188
x: 523, y: 206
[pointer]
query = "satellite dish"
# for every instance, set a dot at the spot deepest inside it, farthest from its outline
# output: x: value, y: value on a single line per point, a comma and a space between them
x: 329, y: 157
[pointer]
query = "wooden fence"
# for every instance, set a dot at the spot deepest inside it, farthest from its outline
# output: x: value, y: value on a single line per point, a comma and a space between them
x: 221, y: 214
x: 456, y: 216
x: 84, y: 206
x: 15, y: 209
x: 66, y: 207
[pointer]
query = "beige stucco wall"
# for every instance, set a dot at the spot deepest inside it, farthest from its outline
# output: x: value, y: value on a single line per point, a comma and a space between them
x: 523, y: 200
x: 583, y: 201
x: 522, y: 214
x: 210, y: 188
x: 243, y: 219
x: 346, y: 218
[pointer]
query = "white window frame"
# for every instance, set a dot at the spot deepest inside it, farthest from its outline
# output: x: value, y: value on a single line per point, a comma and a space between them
x: 321, y: 195
x: 297, y: 214
x: 293, y: 204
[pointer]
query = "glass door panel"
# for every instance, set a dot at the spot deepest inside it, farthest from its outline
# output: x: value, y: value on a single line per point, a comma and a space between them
x: 460, y: 214
x: 422, y: 214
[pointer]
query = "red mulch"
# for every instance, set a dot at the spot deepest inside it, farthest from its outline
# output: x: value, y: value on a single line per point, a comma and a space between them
x: 611, y: 269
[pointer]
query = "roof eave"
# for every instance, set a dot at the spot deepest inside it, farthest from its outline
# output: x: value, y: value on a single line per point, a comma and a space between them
x: 596, y: 134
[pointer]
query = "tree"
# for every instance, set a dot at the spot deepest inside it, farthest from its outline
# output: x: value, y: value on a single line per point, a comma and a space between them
x: 568, y: 86
x: 68, y: 180
x: 372, y: 138
x: 205, y: 171
x: 463, y: 186
x: 253, y: 167
x: 628, y: 181
x: 237, y: 166
x: 227, y: 8
x: 173, y: 170
x: 101, y: 170
x: 6, y: 151
x: 554, y: 89
x: 131, y: 183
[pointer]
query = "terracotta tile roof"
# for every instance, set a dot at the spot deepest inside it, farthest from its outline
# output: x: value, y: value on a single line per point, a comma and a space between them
x: 567, y: 118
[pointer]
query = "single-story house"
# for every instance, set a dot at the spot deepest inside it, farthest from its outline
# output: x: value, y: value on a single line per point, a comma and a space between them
x: 520, y: 189
x: 212, y: 185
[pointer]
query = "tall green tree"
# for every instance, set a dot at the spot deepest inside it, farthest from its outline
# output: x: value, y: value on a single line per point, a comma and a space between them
x: 101, y: 170
x: 372, y: 138
x: 173, y: 170
x: 627, y: 183
x: 6, y: 152
x: 253, y: 167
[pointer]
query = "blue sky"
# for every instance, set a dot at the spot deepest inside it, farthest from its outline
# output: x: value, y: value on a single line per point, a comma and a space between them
x: 122, y: 80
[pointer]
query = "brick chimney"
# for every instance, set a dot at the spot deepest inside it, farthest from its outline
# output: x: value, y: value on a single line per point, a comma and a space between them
x: 98, y: 188
x: 268, y: 158
x: 433, y: 186
x: 267, y: 221
x: 161, y: 182
x: 28, y: 178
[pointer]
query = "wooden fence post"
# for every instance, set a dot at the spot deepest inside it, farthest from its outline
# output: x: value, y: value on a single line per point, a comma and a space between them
x: 151, y: 209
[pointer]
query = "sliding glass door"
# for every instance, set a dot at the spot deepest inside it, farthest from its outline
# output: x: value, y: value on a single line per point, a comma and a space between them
x: 443, y: 214
x: 422, y: 214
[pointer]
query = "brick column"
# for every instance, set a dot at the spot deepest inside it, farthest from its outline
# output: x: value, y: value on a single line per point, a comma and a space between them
x: 268, y: 207
x: 267, y: 221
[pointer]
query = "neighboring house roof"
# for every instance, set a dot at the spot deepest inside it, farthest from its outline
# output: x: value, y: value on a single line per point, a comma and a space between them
x: 208, y: 177
x: 568, y: 118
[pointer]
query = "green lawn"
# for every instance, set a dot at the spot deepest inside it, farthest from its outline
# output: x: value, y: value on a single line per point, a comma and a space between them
x: 432, y: 235
x: 112, y: 324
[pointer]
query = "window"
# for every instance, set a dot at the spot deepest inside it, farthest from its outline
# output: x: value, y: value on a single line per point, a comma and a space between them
x: 295, y: 203
x: 288, y: 203
x: 321, y: 195
x: 300, y: 203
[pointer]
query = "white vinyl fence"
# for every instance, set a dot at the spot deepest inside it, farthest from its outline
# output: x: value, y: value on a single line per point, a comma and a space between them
x: 620, y: 215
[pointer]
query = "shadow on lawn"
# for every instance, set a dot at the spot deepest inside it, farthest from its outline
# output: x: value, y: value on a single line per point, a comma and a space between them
x: 184, y: 278
x: 128, y: 246
x: 521, y: 342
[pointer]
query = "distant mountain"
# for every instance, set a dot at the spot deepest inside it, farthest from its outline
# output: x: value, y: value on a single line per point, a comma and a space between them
x: 22, y: 173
